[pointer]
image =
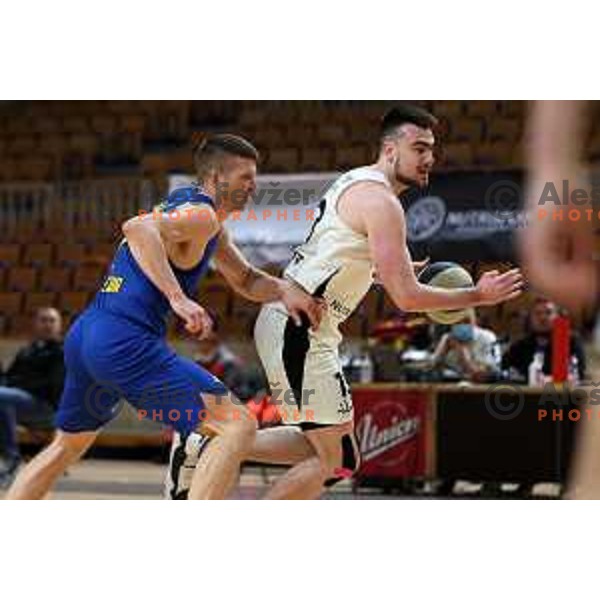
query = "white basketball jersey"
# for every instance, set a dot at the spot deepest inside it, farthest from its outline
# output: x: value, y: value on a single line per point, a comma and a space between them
x: 334, y: 262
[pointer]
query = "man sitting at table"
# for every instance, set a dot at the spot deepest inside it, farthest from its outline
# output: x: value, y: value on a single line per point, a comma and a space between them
x: 538, y: 338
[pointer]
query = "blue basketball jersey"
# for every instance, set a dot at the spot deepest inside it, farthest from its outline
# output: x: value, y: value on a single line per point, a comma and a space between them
x: 127, y: 292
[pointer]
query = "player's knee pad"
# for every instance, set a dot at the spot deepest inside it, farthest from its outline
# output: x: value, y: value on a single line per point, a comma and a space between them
x: 349, y: 463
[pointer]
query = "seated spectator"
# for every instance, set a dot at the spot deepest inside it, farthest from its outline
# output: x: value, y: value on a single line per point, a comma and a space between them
x: 469, y: 352
x: 33, y: 385
x: 519, y: 356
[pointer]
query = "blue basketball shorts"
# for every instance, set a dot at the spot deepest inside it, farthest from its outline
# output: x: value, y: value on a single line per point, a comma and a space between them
x: 110, y: 359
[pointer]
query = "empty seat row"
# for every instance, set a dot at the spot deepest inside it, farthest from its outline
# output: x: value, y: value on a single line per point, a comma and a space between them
x: 53, y: 279
x: 45, y: 254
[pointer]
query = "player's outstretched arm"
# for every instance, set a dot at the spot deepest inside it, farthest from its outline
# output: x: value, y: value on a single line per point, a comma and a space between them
x: 148, y: 237
x: 258, y: 286
x: 381, y: 218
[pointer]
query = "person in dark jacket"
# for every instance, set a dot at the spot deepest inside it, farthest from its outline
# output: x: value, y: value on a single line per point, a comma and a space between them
x: 32, y: 385
x: 520, y: 354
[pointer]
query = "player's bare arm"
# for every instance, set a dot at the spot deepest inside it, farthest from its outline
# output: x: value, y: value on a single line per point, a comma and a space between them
x: 558, y: 254
x: 371, y: 209
x: 258, y: 286
x: 155, y: 241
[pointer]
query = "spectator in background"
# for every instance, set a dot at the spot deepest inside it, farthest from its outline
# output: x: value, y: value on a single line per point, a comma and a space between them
x: 469, y: 351
x: 520, y: 354
x: 32, y: 385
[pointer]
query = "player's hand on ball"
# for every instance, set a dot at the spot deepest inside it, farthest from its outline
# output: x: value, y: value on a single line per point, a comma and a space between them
x: 419, y: 265
x: 196, y: 319
x: 298, y: 302
x: 494, y: 287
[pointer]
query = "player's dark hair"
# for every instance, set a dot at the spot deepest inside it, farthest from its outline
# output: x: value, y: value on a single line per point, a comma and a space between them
x: 403, y: 114
x: 208, y: 151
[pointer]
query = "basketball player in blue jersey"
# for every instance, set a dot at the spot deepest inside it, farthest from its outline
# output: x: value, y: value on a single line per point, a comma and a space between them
x: 116, y: 349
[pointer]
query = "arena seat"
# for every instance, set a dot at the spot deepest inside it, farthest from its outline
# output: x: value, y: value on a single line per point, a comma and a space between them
x: 70, y: 254
x: 88, y: 277
x: 46, y: 125
x: 316, y: 159
x: 9, y: 254
x: 52, y: 144
x: 503, y: 129
x: 55, y: 279
x: 332, y: 134
x: 18, y: 326
x: 457, y: 154
x: 22, y: 279
x: 76, y: 140
x: 482, y: 108
x: 75, y: 124
x: 39, y: 255
x: 494, y: 154
x: 448, y: 109
x: 35, y: 300
x: 73, y: 302
x: 351, y: 156
x: 10, y: 303
x: 8, y: 169
x: 282, y: 159
x: 131, y: 123
x: 104, y: 124
x: 22, y: 145
x: 467, y: 129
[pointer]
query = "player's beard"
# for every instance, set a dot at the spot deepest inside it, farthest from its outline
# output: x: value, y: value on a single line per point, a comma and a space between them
x: 400, y: 177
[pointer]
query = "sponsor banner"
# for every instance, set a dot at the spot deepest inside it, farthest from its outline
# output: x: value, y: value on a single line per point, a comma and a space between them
x: 463, y: 215
x: 390, y: 427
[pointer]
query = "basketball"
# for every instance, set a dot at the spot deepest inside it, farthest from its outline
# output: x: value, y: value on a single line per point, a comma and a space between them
x: 447, y: 275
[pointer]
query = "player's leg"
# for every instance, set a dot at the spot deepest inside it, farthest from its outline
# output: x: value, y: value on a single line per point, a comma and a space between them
x: 233, y: 430
x: 85, y: 406
x: 37, y: 478
x: 335, y: 458
x: 304, y: 481
x: 281, y: 445
x: 178, y: 392
x: 321, y: 402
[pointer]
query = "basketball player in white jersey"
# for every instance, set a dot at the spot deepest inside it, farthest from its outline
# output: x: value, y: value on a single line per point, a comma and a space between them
x: 359, y: 232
